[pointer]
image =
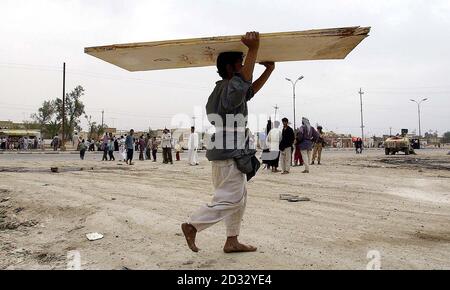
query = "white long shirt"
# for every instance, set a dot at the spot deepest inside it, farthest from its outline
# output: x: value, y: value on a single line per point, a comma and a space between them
x: 166, y: 141
x: 193, y: 141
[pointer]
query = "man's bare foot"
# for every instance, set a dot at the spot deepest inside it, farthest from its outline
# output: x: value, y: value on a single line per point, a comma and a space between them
x: 190, y: 232
x: 232, y: 245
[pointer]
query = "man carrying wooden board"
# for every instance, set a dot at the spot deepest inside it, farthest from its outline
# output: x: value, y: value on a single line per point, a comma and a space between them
x: 227, y: 111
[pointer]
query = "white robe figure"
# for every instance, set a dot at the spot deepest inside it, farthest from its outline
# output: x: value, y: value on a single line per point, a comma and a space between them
x: 75, y: 141
x: 273, y: 143
x: 193, y: 147
x: 122, y: 149
x: 25, y: 144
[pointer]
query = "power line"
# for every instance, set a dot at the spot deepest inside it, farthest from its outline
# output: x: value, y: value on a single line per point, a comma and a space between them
x: 106, y: 76
x: 392, y: 90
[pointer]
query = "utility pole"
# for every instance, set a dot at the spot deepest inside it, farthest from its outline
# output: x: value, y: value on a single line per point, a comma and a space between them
x: 103, y: 115
x: 293, y: 89
x: 276, y: 110
x: 361, y: 93
x: 63, y: 141
x: 390, y: 131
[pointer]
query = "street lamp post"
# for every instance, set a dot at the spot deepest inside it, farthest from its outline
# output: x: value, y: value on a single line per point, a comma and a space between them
x: 418, y: 112
x: 361, y: 93
x: 293, y: 89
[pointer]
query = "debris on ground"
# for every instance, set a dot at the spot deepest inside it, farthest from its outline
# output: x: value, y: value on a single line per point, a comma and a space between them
x: 293, y: 198
x: 286, y: 196
x: 94, y: 236
x: 19, y: 209
x: 298, y: 199
x: 190, y: 262
x: 5, y: 199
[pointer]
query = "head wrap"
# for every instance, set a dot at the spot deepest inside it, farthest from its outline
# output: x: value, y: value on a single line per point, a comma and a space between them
x: 305, y: 123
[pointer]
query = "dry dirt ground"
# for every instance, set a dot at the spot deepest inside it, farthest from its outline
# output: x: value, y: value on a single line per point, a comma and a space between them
x: 397, y: 205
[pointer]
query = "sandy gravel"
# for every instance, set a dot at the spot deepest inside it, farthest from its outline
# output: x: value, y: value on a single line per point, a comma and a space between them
x: 397, y: 205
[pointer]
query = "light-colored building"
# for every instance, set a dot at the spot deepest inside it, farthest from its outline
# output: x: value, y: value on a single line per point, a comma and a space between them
x: 13, y: 133
x: 12, y: 125
x: 111, y: 130
x: 335, y: 140
x: 6, y: 125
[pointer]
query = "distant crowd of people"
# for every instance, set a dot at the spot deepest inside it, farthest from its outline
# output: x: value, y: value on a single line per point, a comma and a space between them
x: 23, y: 143
x: 145, y: 145
x: 280, y: 144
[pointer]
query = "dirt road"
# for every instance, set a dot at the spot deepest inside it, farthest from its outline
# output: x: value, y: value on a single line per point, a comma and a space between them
x: 396, y: 205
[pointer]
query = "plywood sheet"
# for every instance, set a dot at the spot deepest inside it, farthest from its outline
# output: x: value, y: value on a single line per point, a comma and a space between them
x: 335, y: 43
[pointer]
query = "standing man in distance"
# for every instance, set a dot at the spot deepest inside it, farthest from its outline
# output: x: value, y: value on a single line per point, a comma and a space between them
x: 166, y: 144
x: 287, y: 140
x: 193, y: 147
x: 129, y: 144
x: 318, y: 146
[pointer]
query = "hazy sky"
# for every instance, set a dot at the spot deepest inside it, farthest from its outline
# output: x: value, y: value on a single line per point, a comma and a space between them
x: 406, y: 56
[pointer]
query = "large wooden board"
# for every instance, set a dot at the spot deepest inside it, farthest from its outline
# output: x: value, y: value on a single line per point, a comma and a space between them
x: 335, y: 43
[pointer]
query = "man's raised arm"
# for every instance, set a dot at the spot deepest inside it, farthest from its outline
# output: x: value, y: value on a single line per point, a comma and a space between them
x: 251, y: 40
x: 259, y: 83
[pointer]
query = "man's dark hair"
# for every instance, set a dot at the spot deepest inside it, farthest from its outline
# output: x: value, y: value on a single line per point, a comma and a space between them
x: 285, y: 120
x: 229, y: 57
